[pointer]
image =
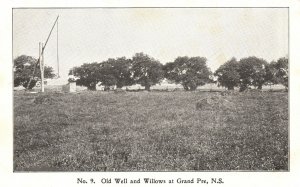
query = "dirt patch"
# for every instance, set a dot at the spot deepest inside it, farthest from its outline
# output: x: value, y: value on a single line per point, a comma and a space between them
x: 119, y: 91
x: 47, y: 99
x: 229, y: 92
x: 214, y: 102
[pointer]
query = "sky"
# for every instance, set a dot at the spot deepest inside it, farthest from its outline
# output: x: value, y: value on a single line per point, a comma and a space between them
x: 94, y: 35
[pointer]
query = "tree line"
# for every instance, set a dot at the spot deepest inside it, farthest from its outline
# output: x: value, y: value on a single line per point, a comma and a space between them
x: 252, y: 71
x: 190, y: 72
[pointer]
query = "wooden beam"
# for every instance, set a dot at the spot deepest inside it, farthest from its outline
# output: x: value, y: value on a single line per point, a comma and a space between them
x: 42, y: 66
x: 43, y: 48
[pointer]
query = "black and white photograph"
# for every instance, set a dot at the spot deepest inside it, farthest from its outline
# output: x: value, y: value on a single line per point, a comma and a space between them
x: 150, y: 89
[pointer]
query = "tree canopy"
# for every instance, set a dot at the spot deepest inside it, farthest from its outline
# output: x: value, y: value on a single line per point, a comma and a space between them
x: 252, y: 72
x: 24, y: 68
x: 116, y: 72
x: 228, y: 74
x: 88, y: 75
x: 277, y: 72
x: 146, y: 70
x: 189, y: 72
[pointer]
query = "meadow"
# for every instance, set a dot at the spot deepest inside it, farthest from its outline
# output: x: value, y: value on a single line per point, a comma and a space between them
x: 150, y: 131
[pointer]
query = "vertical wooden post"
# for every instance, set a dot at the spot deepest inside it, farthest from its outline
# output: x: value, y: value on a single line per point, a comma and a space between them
x: 40, y: 58
x: 57, y: 57
x: 42, y: 67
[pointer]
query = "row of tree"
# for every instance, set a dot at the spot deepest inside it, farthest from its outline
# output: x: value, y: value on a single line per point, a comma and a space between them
x: 120, y: 72
x: 252, y: 71
x: 142, y: 69
x: 190, y: 72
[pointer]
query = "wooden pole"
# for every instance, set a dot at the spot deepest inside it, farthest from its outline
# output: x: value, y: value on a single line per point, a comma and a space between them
x: 40, y: 53
x: 49, y: 35
x: 42, y: 67
x: 57, y: 50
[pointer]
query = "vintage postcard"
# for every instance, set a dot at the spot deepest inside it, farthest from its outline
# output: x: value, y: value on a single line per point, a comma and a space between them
x: 150, y: 94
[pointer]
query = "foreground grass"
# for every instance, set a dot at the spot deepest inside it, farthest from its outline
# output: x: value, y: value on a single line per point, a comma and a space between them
x: 155, y: 131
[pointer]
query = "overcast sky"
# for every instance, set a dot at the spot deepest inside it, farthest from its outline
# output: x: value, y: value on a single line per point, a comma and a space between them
x: 94, y: 35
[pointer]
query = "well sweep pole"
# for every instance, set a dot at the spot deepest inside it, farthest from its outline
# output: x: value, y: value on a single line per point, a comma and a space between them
x: 57, y: 50
x: 42, y: 67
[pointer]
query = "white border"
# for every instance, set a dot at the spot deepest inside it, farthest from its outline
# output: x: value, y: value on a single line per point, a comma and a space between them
x: 8, y: 178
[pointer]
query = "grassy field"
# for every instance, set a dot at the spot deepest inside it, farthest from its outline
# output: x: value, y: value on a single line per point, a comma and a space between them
x: 150, y: 131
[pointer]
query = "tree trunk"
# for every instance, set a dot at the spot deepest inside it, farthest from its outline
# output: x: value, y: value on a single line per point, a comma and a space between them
x: 186, y: 88
x: 230, y: 87
x: 32, y: 84
x: 92, y: 87
x: 243, y: 87
x: 259, y: 87
x: 119, y: 85
x: 106, y: 88
x: 147, y: 87
x: 193, y: 88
